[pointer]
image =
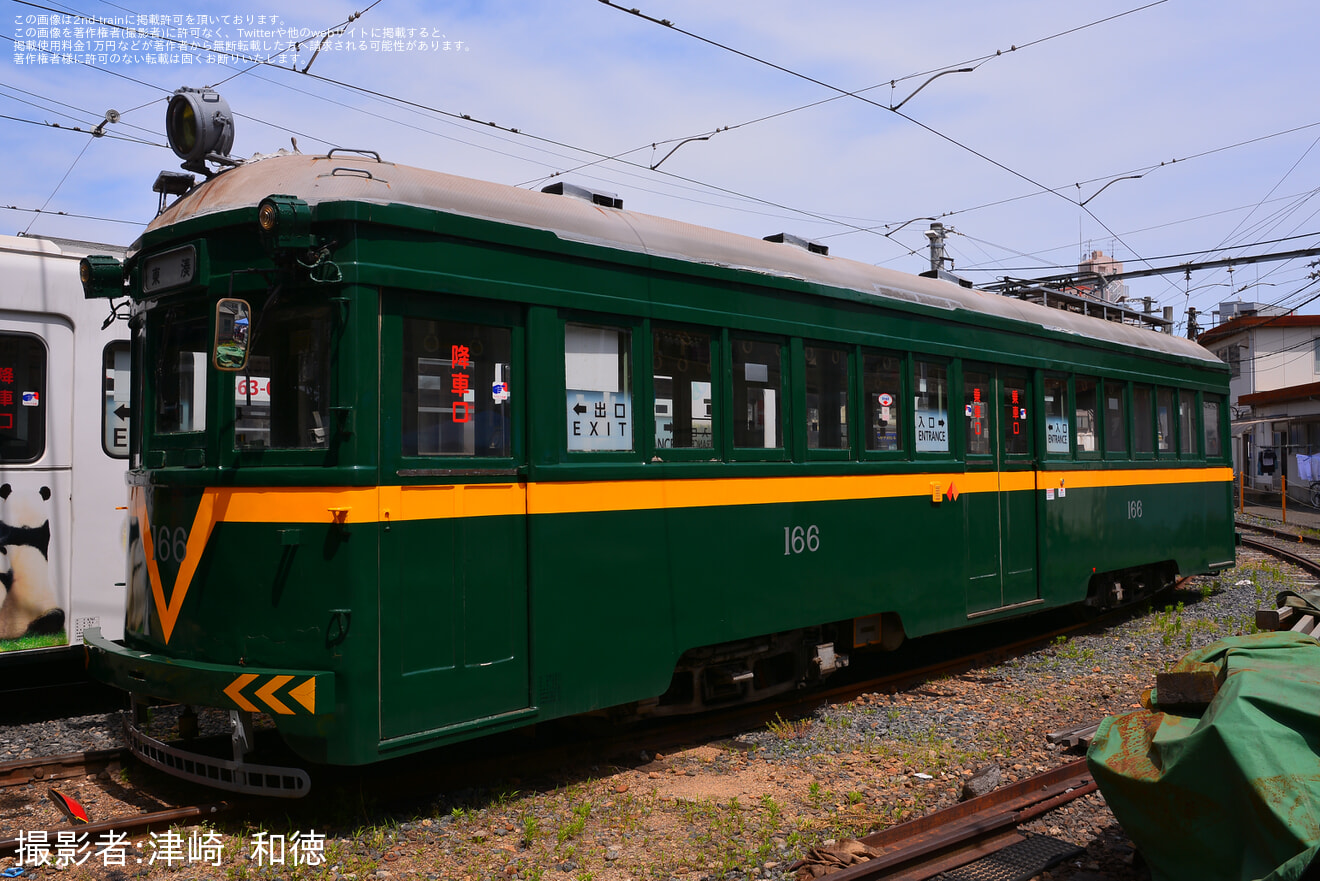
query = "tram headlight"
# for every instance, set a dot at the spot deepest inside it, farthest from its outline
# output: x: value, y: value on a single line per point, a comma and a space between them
x: 198, y: 123
x: 285, y: 223
x: 102, y: 277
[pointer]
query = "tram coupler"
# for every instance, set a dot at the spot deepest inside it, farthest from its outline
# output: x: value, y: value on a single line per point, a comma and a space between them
x: 188, y: 726
x: 240, y: 733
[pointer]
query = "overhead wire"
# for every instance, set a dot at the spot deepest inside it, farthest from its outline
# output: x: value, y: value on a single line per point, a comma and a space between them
x: 70, y: 214
x: 678, y: 179
x: 37, y: 216
x: 600, y: 157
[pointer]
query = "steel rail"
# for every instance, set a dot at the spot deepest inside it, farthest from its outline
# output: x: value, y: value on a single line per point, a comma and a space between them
x: 1305, y: 563
x: 961, y: 834
x: 31, y: 770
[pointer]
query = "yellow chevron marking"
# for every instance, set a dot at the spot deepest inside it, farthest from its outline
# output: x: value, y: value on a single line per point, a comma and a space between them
x: 305, y: 694
x: 267, y: 694
x: 235, y: 692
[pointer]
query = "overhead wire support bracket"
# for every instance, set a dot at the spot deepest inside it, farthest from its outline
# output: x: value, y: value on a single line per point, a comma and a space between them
x: 1082, y: 204
x: 685, y: 141
x: 927, y: 83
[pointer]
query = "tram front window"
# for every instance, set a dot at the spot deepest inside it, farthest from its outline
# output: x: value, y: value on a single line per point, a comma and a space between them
x: 180, y: 375
x: 282, y: 399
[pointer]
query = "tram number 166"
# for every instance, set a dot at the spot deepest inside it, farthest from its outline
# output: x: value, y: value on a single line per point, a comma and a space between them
x: 170, y: 544
x: 1134, y: 510
x: 797, y: 539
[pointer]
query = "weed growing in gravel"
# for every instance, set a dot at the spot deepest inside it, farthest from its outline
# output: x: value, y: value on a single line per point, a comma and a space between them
x: 574, y: 827
x: 742, y: 836
x: 772, y: 809
x: 1168, y: 622
x: 1241, y: 624
x: 789, y: 729
x: 1072, y: 651
x: 531, y: 829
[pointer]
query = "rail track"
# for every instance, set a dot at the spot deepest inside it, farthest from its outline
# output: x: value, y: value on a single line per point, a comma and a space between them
x: 973, y: 830
x: 72, y: 765
x: 1297, y: 548
x: 76, y: 766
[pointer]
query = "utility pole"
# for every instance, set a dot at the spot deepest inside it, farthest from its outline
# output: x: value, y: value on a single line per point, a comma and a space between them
x: 936, y: 236
x: 1192, y: 330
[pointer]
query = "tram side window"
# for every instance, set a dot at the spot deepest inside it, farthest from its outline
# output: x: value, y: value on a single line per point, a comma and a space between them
x: 681, y: 363
x: 1143, y: 416
x: 931, y: 406
x: 1186, y: 422
x: 1088, y: 440
x: 1056, y: 416
x: 116, y: 387
x: 282, y: 401
x: 1115, y: 419
x: 22, y: 398
x: 180, y: 376
x: 1210, y: 408
x: 455, y: 389
x: 758, y: 421
x: 976, y: 405
x: 1164, y: 420
x: 598, y: 379
x: 882, y: 382
x: 827, y: 378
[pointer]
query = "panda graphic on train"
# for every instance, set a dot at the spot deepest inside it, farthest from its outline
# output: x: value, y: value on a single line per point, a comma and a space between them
x: 31, y: 606
x: 64, y: 411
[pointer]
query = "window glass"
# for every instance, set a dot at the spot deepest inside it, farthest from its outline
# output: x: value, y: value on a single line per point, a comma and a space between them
x: 1187, y: 421
x: 1143, y: 425
x: 598, y: 382
x: 680, y: 363
x: 22, y: 397
x: 282, y: 400
x: 138, y: 356
x: 757, y: 394
x: 1164, y: 420
x: 1017, y: 432
x: 881, y: 378
x: 456, y: 389
x: 931, y: 406
x: 1232, y: 356
x: 826, y: 377
x: 1210, y: 417
x: 180, y: 375
x: 116, y: 387
x: 976, y: 406
x: 1115, y: 418
x: 1056, y: 415
x: 1085, y: 421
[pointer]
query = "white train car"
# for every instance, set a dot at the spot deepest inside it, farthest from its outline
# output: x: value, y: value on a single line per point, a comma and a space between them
x: 64, y: 413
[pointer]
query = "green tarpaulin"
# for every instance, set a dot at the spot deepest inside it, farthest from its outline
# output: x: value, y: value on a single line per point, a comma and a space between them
x: 1233, y: 793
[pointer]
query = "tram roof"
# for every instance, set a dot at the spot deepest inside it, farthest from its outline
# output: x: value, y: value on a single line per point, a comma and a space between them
x: 352, y: 177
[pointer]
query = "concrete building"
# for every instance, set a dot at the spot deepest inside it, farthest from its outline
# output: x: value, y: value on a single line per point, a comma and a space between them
x: 1274, y: 392
x: 1105, y: 266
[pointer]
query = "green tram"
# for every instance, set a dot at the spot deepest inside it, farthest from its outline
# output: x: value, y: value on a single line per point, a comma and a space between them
x: 417, y: 458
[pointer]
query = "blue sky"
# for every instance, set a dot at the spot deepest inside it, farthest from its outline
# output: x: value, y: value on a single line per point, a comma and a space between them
x: 1201, y: 114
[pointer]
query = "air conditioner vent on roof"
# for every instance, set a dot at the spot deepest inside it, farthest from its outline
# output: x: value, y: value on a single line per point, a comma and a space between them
x: 789, y: 239
x: 597, y: 197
